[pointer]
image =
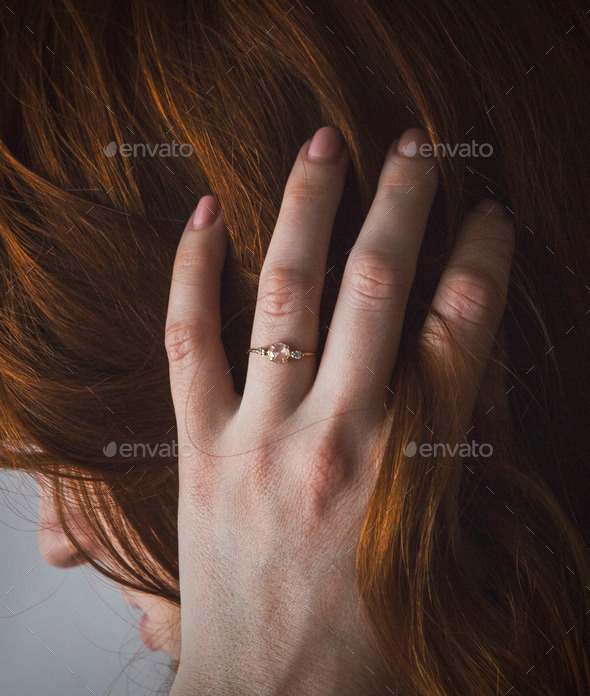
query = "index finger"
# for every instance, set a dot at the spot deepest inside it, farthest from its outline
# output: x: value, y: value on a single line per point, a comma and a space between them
x: 200, y: 380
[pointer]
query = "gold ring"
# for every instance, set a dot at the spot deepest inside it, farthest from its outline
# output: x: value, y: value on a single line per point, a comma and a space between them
x: 279, y: 352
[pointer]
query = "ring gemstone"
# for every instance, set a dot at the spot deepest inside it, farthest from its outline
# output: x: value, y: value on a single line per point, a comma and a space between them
x: 279, y: 352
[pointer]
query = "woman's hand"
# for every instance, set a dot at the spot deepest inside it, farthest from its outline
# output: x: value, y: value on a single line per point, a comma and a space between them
x: 274, y: 485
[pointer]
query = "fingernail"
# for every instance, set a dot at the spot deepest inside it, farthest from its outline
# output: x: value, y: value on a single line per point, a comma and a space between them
x: 206, y: 212
x: 411, y: 140
x: 326, y: 144
x: 490, y: 207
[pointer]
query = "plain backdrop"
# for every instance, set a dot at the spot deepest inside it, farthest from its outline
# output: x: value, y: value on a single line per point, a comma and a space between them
x: 63, y: 632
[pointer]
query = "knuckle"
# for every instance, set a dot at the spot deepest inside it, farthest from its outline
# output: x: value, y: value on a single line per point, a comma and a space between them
x: 400, y: 184
x: 327, y: 472
x: 475, y: 297
x: 496, y: 231
x: 303, y: 188
x: 189, y: 260
x: 377, y: 278
x: 281, y: 289
x: 184, y: 341
x: 407, y: 176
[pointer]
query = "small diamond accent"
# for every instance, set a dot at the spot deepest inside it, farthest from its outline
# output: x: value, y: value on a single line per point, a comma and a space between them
x: 296, y: 354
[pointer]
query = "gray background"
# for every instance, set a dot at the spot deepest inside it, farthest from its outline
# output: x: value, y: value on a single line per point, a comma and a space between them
x: 63, y: 632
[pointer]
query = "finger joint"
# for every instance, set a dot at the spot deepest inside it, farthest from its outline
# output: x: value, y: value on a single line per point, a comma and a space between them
x: 184, y: 341
x: 377, y: 279
x: 475, y: 298
x: 281, y: 291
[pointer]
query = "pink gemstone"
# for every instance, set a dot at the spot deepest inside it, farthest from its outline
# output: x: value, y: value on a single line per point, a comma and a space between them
x: 279, y: 352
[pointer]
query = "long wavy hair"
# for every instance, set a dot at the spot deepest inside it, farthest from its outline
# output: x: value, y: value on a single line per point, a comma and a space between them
x: 473, y: 572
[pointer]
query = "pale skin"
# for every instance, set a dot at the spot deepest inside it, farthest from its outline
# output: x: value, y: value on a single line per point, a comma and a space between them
x: 162, y: 630
x: 274, y: 492
x: 274, y: 485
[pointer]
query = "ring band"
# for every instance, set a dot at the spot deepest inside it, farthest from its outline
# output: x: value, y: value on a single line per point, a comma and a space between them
x: 279, y: 352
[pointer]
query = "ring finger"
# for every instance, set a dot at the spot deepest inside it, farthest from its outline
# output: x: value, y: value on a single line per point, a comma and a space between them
x: 291, y: 279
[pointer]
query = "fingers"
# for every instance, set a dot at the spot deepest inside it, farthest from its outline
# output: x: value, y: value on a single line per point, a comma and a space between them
x: 202, y: 387
x: 292, y: 276
x: 471, y: 295
x: 362, y: 344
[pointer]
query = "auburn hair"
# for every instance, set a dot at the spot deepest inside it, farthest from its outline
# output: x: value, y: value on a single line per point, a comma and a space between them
x: 473, y: 571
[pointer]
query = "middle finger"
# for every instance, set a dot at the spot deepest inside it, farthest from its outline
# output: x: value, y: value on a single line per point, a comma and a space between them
x: 367, y: 323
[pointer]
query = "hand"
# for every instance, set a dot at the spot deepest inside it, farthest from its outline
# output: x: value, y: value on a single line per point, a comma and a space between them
x: 274, y: 485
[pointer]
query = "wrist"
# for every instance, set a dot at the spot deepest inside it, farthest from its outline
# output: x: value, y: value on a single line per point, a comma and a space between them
x: 333, y: 666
